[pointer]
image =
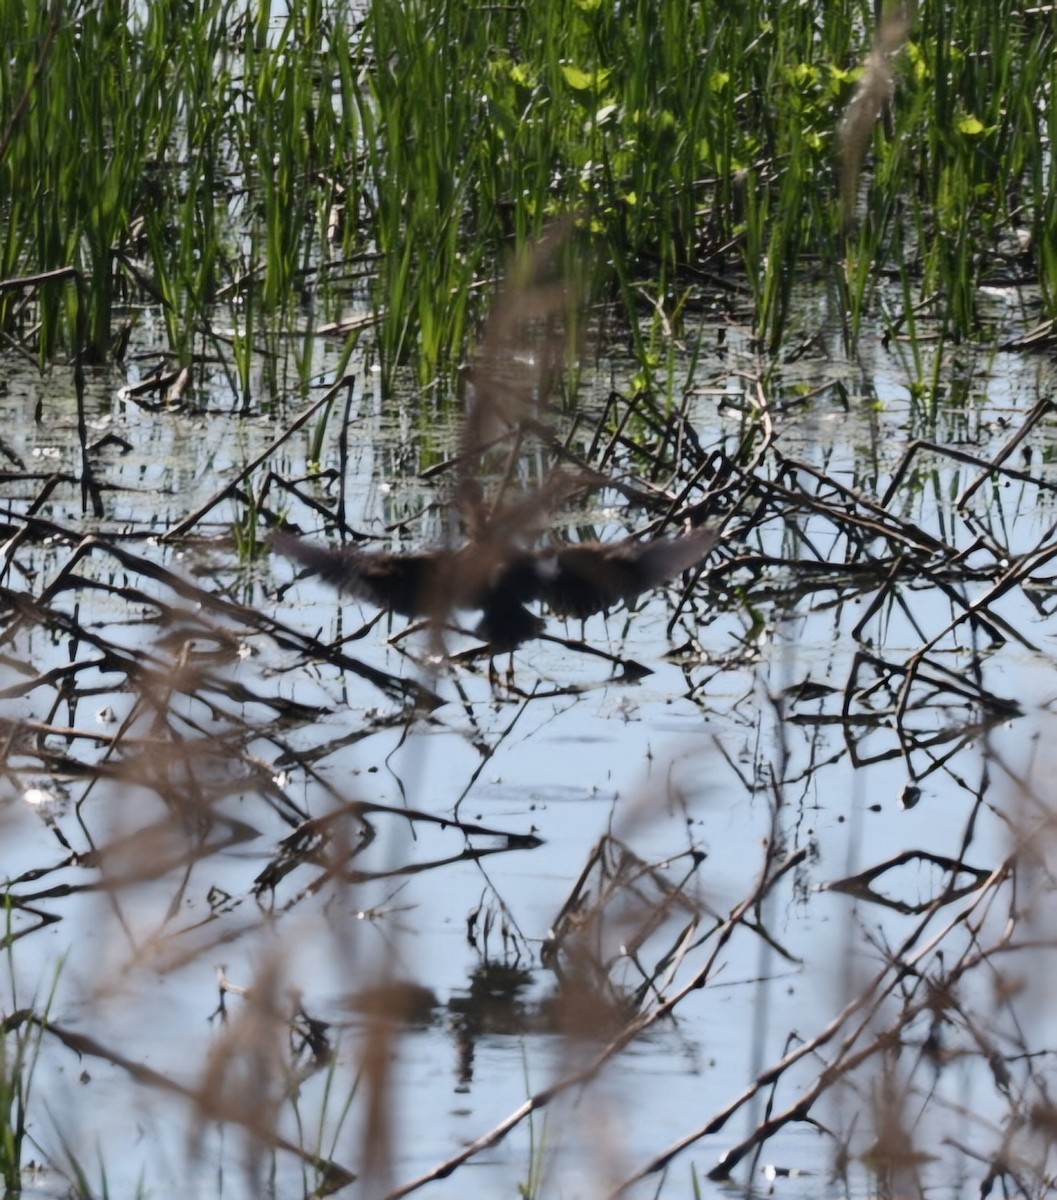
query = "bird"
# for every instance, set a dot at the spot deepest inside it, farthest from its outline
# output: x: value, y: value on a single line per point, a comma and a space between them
x: 573, y: 580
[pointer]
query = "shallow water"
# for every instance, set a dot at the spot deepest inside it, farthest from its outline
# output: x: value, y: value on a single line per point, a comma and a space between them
x: 702, y: 769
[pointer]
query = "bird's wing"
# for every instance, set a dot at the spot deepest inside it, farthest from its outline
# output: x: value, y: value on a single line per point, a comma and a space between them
x: 582, y: 579
x: 347, y: 570
x: 659, y: 561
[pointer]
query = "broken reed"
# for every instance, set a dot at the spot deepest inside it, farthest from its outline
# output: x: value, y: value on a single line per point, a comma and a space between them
x: 246, y: 169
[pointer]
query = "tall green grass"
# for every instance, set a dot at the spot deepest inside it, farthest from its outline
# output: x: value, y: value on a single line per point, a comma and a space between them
x: 20, y: 1044
x: 193, y: 156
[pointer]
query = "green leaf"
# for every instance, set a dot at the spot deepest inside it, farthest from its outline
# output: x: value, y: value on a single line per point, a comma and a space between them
x: 585, y: 81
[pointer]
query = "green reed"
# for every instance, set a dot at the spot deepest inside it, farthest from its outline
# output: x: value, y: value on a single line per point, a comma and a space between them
x: 20, y: 1044
x: 194, y: 158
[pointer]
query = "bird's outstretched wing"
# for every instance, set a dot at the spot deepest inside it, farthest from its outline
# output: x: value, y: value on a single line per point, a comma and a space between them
x: 589, y: 577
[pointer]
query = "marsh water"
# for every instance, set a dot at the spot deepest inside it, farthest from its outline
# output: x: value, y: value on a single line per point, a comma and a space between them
x: 209, y: 814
